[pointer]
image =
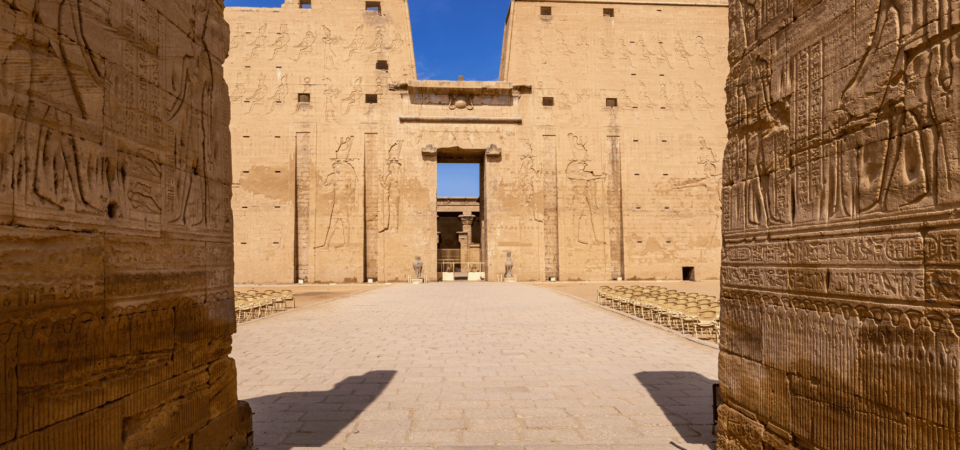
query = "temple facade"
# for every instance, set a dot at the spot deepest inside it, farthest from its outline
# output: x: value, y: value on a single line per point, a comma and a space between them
x: 599, y: 148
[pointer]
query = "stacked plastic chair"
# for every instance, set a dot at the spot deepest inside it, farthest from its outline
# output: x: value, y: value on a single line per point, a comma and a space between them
x: 254, y: 304
x: 688, y: 313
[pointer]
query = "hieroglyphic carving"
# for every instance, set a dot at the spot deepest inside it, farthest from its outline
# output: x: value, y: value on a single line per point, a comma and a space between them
x: 395, y: 45
x: 347, y: 103
x: 390, y: 187
x: 662, y: 56
x: 355, y: 45
x: 237, y: 90
x: 115, y: 298
x: 528, y: 182
x: 703, y: 53
x: 281, y: 43
x: 584, y: 192
x: 259, y: 42
x: 606, y: 54
x: 259, y: 95
x: 565, y: 50
x: 646, y: 54
x: 838, y: 249
x: 681, y: 51
x: 625, y: 52
x: 342, y: 183
x: 279, y: 96
x: 377, y: 45
x: 666, y: 104
x: 306, y: 45
x: 330, y: 95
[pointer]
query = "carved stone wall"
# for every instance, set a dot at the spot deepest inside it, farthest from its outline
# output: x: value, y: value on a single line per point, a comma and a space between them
x: 312, y: 156
x: 631, y: 189
x: 116, y: 262
x: 340, y: 190
x: 840, y: 255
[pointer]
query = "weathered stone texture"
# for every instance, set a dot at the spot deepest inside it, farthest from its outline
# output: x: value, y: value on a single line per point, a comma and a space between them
x: 840, y: 198
x: 116, y: 263
x: 340, y: 190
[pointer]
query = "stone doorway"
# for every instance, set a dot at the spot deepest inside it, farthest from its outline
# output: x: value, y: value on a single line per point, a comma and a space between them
x: 460, y: 225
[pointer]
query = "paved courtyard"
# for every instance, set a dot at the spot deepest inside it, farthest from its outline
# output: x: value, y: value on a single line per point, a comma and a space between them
x: 471, y: 365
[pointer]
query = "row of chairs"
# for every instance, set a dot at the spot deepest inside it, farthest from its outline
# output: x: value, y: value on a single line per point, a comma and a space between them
x: 255, y: 304
x: 694, y: 314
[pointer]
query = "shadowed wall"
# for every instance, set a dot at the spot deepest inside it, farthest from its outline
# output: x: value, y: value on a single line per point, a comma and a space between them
x: 116, y: 256
x: 840, y: 194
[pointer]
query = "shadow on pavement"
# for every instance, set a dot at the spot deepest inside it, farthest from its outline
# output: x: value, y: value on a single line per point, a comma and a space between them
x: 312, y: 419
x: 686, y: 400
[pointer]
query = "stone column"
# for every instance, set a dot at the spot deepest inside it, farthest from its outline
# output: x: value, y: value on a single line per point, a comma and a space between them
x: 116, y: 266
x: 466, y: 238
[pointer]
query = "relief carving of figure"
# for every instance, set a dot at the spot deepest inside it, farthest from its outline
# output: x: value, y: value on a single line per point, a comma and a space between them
x: 236, y: 38
x: 330, y: 95
x: 700, y: 102
x: 645, y: 53
x: 662, y: 56
x: 236, y: 93
x: 907, y: 95
x: 702, y: 52
x: 259, y: 95
x: 645, y: 101
x: 684, y: 101
x: 528, y: 179
x: 377, y: 45
x: 281, y: 43
x: 259, y: 42
x: 395, y: 45
x: 583, y: 48
x: 566, y: 51
x: 584, y: 203
x: 709, y: 163
x: 665, y: 102
x: 343, y: 148
x: 197, y: 149
x: 347, y: 103
x: 355, y: 45
x: 279, y: 96
x: 625, y: 52
x: 390, y: 191
x: 681, y: 51
x: 606, y: 54
x: 306, y: 45
x: 343, y: 183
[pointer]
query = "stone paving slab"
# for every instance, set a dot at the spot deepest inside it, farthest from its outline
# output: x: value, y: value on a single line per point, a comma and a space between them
x: 471, y: 365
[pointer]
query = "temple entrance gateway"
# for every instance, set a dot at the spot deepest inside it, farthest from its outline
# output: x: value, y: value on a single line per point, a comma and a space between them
x: 460, y: 253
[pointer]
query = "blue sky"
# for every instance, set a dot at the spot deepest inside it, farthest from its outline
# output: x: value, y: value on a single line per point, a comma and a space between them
x: 450, y: 38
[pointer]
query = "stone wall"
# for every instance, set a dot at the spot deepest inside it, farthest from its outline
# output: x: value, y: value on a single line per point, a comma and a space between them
x: 631, y: 190
x: 840, y: 193
x: 116, y: 261
x: 310, y: 153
